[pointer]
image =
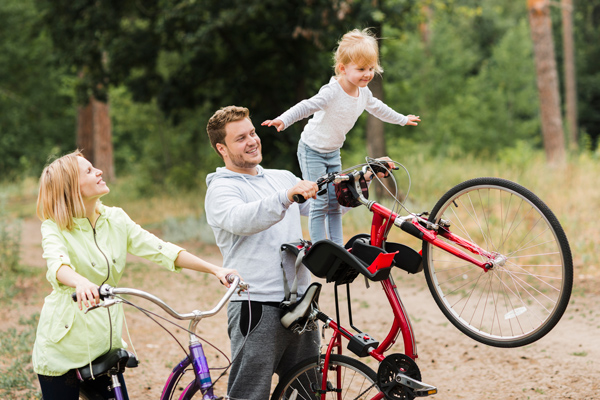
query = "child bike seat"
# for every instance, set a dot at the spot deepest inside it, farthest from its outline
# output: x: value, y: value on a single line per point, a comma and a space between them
x: 116, y: 359
x: 406, y: 258
x: 326, y: 259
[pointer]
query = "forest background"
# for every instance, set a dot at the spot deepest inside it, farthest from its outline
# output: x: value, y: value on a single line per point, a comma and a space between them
x: 155, y: 70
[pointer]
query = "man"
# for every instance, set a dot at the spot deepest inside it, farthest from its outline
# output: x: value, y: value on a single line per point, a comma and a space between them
x: 251, y: 212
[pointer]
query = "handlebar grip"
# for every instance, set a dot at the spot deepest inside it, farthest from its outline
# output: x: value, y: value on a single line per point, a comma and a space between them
x: 378, y: 167
x: 298, y: 198
x: 74, y: 296
x: 100, y: 294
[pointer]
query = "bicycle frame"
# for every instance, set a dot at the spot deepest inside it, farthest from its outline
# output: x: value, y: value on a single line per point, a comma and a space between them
x: 202, y: 382
x: 382, y: 221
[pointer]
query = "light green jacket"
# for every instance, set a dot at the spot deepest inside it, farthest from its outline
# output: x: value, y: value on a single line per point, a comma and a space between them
x: 66, y: 337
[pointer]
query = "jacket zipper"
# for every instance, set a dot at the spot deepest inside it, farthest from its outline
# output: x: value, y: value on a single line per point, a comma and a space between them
x: 107, y: 277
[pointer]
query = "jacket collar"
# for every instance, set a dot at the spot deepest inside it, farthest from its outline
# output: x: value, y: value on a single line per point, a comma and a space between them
x: 84, y: 224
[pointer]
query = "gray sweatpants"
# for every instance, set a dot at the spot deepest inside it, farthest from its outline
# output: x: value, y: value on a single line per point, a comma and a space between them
x: 269, y: 349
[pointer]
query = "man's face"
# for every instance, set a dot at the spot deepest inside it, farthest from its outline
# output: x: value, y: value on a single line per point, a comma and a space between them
x: 242, y: 149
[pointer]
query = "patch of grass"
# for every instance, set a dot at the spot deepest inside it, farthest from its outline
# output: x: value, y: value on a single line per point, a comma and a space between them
x: 16, y: 371
x: 10, y: 248
x: 580, y: 354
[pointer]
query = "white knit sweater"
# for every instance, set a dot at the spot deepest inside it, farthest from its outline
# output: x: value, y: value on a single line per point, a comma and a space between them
x: 335, y: 113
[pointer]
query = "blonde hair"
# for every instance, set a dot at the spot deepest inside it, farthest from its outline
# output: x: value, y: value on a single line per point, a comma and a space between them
x: 216, y: 124
x: 358, y: 47
x: 59, y: 197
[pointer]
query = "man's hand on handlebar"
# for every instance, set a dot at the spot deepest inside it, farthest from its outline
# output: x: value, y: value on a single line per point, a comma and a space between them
x: 302, y: 191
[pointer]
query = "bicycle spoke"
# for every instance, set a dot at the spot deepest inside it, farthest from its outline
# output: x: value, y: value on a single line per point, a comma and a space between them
x: 524, y: 292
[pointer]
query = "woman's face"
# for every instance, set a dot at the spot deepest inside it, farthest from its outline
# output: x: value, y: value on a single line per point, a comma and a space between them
x: 91, y: 184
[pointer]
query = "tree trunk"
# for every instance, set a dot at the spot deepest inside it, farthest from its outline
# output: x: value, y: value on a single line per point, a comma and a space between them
x: 569, y: 66
x: 94, y: 136
x: 424, y: 28
x: 85, y: 131
x: 547, y: 80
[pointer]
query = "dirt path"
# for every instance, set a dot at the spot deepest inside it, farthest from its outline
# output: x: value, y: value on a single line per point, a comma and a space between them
x: 563, y: 365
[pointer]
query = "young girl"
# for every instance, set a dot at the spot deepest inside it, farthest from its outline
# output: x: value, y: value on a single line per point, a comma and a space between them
x: 85, y: 244
x: 336, y: 108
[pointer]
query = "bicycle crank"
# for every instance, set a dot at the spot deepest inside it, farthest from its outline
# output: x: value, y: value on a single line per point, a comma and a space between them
x: 399, y: 378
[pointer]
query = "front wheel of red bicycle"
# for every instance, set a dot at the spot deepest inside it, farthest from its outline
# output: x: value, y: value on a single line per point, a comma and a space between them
x: 525, y: 293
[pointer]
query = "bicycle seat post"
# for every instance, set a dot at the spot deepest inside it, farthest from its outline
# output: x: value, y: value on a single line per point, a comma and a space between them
x: 116, y: 387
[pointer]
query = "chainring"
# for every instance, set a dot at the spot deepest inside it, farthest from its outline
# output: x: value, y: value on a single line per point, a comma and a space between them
x: 386, y: 376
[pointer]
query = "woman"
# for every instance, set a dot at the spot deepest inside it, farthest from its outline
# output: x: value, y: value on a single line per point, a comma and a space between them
x: 85, y: 244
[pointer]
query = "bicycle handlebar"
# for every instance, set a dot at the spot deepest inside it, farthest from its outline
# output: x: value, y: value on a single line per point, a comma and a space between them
x: 108, y: 293
x: 375, y: 166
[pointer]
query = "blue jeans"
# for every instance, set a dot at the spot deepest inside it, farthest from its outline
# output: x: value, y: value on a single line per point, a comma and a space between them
x: 325, y: 218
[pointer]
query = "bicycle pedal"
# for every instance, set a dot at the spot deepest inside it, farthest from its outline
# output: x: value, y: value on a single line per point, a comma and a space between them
x: 425, y: 393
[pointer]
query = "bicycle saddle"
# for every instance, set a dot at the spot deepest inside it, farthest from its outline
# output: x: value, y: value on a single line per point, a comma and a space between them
x: 117, y: 359
x: 296, y: 318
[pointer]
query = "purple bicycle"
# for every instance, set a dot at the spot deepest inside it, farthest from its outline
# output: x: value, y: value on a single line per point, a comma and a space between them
x: 117, y: 360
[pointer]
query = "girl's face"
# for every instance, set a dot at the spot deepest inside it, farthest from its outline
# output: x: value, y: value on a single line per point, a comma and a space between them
x: 91, y: 184
x: 358, y: 75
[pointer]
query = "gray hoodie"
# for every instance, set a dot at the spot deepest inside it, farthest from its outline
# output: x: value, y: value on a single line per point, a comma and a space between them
x: 251, y: 217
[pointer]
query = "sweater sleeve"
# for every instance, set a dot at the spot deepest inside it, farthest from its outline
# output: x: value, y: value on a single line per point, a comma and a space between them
x: 307, y: 107
x: 227, y: 209
x: 382, y: 111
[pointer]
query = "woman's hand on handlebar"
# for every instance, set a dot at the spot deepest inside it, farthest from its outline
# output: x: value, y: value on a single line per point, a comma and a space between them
x: 87, y: 294
x: 224, y: 273
x: 304, y: 190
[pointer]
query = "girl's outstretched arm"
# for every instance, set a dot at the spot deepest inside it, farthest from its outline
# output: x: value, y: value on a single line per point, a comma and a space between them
x: 413, y: 119
x: 277, y: 123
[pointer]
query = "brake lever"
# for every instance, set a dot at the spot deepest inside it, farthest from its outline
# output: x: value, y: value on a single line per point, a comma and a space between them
x: 242, y: 287
x: 105, y: 303
x: 321, y: 183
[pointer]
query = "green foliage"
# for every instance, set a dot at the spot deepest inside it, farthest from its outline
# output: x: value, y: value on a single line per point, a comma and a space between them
x: 472, y: 99
x: 586, y: 22
x: 167, y: 65
x: 10, y: 238
x: 37, y: 114
x: 17, y: 376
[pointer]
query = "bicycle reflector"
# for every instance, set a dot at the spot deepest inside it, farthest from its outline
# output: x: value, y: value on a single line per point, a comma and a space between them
x: 346, y: 192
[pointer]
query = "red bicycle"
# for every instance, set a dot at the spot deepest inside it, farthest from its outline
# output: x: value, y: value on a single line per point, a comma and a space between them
x: 496, y: 261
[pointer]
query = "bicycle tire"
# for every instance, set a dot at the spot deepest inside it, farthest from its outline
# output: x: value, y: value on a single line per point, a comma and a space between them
x: 358, y: 381
x: 513, y: 304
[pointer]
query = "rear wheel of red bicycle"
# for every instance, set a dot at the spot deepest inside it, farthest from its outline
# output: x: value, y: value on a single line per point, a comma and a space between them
x: 347, y: 376
x: 524, y: 295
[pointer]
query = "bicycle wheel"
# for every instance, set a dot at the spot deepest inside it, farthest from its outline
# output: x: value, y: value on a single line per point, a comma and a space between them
x: 523, y: 296
x: 353, y: 378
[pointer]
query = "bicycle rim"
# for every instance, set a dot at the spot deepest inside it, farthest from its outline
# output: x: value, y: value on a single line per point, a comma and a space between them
x: 347, y: 379
x: 527, y: 291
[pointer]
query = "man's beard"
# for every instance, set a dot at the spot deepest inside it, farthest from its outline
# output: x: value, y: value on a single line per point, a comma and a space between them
x: 240, y: 162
